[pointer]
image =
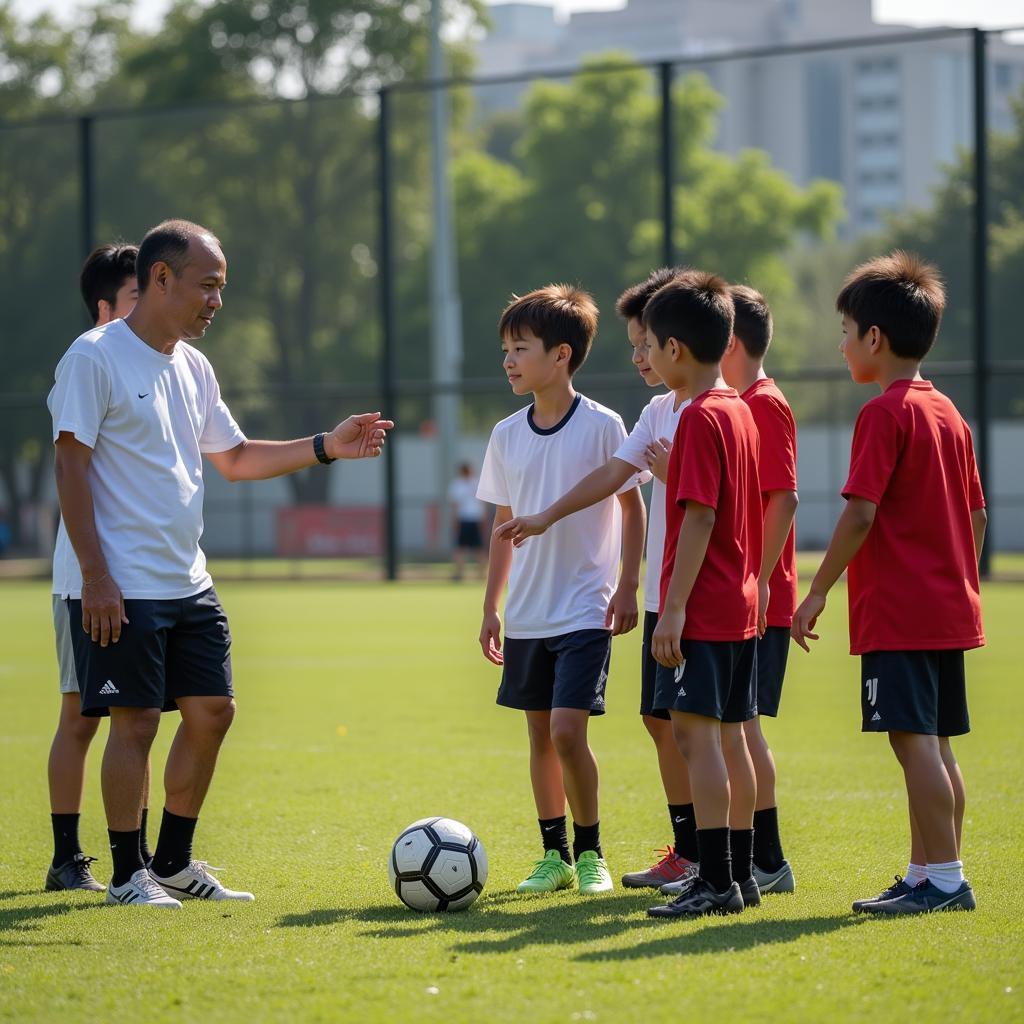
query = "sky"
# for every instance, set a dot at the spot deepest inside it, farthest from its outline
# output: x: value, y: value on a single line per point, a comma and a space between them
x: 984, y: 13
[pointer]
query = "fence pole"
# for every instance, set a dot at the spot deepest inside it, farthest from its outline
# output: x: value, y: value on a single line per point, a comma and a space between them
x: 87, y: 185
x: 387, y: 361
x: 667, y: 165
x: 982, y: 413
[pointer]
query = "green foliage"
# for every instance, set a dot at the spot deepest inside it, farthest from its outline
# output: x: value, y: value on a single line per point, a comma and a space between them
x: 345, y: 734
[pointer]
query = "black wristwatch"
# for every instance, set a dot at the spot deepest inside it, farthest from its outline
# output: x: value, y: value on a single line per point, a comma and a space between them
x: 318, y: 450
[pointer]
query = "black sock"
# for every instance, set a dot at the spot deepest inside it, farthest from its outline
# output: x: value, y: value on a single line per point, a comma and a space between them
x: 65, y: 838
x: 586, y: 837
x: 684, y: 828
x: 174, y: 844
x: 554, y: 836
x: 715, y: 862
x: 144, y: 851
x: 741, y: 845
x: 767, y: 844
x: 124, y: 849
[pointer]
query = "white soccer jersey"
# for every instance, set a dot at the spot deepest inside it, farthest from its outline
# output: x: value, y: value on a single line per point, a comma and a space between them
x: 561, y: 581
x: 657, y: 420
x: 148, y: 418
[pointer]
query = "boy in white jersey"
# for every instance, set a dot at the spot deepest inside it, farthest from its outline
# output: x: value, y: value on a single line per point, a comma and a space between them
x: 646, y: 447
x: 563, y: 605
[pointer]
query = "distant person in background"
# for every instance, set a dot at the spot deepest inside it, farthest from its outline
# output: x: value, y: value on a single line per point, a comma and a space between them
x: 109, y: 290
x: 469, y: 513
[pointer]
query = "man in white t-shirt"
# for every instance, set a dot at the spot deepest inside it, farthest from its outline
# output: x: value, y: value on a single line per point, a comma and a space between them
x: 468, y: 520
x: 563, y: 605
x: 135, y: 408
x: 647, y: 447
x: 109, y: 290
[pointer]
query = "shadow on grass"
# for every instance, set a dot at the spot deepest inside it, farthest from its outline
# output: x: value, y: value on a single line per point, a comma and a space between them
x: 718, y: 936
x: 21, y: 919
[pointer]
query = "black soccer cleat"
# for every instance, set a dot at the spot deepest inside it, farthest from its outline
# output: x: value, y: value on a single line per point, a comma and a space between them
x: 701, y: 899
x: 925, y: 898
x: 750, y: 892
x: 73, y: 874
x: 898, y: 888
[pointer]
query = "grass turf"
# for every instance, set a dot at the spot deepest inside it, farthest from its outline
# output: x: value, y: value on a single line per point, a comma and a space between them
x: 364, y: 707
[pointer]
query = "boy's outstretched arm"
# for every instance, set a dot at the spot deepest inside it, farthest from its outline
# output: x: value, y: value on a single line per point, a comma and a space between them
x: 778, y: 518
x: 600, y: 484
x: 498, y: 567
x: 622, y: 613
x: 850, y: 532
x: 692, y: 546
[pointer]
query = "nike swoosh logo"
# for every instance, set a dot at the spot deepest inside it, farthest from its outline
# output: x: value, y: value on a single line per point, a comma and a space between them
x: 548, y: 828
x: 679, y: 820
x: 146, y: 395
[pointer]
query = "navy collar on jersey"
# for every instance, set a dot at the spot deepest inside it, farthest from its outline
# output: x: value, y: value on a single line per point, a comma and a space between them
x: 558, y: 426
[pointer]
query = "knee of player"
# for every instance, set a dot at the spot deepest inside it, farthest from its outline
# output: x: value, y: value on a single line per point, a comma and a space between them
x: 221, y: 715
x: 135, y: 725
x: 568, y: 737
x: 78, y: 727
x: 659, y: 729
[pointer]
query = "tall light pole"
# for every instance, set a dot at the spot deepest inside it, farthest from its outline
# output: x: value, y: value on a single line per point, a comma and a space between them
x: 446, y: 312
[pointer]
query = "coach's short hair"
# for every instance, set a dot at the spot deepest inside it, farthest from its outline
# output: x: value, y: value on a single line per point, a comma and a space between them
x: 168, y: 243
x: 104, y: 274
x: 753, y: 324
x: 696, y: 309
x: 559, y: 314
x: 631, y: 303
x: 900, y: 294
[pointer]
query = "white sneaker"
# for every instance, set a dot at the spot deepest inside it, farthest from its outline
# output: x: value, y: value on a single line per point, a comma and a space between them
x: 141, y: 891
x: 196, y: 883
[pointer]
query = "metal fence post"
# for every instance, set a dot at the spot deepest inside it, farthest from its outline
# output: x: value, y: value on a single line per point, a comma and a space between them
x: 86, y: 184
x: 982, y: 413
x: 667, y: 165
x: 387, y: 360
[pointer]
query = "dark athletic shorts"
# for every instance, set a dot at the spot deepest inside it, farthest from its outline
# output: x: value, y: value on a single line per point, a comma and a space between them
x: 469, y: 535
x: 772, y: 655
x: 914, y: 691
x: 717, y: 679
x: 568, y: 671
x: 168, y: 649
x: 649, y: 671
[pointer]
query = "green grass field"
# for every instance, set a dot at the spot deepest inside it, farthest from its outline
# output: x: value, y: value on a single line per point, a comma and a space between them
x: 364, y: 707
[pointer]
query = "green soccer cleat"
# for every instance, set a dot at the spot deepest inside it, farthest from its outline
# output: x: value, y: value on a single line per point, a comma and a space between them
x: 549, y: 874
x: 592, y: 874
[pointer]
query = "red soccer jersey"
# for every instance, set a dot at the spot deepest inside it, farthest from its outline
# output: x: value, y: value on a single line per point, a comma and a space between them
x: 714, y: 462
x: 776, y: 469
x: 913, y: 585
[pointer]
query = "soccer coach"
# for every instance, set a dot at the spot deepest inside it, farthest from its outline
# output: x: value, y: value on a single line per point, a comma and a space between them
x: 133, y: 417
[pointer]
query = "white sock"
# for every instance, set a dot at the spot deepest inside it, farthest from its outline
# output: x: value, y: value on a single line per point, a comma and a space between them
x: 916, y: 873
x: 947, y: 877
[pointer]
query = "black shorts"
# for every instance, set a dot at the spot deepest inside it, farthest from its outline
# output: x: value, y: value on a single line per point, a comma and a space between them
x: 914, y: 691
x: 649, y: 671
x: 469, y: 535
x: 168, y: 649
x: 772, y: 655
x: 568, y: 671
x: 717, y: 679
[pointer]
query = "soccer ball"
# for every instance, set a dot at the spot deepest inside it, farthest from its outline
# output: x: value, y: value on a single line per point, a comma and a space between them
x: 437, y: 864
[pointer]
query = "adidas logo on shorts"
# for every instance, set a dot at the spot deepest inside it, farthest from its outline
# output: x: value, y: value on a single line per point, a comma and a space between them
x: 108, y: 688
x: 876, y: 717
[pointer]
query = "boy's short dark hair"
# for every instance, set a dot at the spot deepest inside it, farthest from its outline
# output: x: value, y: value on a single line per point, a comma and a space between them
x: 631, y: 303
x: 559, y: 314
x: 168, y: 243
x: 900, y: 294
x: 104, y: 274
x: 753, y: 324
x: 696, y: 309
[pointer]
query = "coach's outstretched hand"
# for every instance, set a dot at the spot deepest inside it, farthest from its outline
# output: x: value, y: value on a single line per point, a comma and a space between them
x: 517, y: 530
x: 805, y: 618
x: 359, y: 437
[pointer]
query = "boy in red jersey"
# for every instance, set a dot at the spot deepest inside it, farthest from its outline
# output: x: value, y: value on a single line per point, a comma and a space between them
x: 705, y: 640
x: 743, y: 369
x: 911, y: 532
